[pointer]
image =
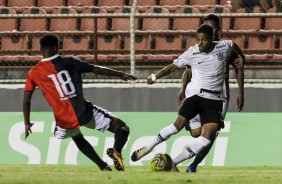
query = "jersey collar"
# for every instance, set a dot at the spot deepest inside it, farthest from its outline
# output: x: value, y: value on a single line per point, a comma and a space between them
x: 50, y: 58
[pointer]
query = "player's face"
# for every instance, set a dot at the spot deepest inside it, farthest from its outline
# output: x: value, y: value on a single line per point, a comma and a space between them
x: 204, y: 42
x: 215, y: 27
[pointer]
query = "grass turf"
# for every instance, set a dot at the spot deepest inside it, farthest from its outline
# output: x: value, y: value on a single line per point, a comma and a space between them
x: 82, y: 174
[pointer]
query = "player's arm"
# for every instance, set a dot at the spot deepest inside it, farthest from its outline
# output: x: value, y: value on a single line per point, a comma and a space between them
x: 240, y: 81
x: 111, y: 72
x: 182, y: 60
x: 26, y: 112
x: 84, y: 67
x: 240, y: 77
x: 186, y: 78
x: 163, y: 72
x: 238, y: 51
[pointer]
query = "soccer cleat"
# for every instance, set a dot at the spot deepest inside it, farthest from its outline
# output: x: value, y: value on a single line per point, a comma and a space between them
x: 116, y: 157
x: 191, y: 168
x: 138, y: 154
x: 174, y: 168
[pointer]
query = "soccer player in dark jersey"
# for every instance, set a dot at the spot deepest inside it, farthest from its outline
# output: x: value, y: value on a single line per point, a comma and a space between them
x: 194, y: 125
x: 60, y: 80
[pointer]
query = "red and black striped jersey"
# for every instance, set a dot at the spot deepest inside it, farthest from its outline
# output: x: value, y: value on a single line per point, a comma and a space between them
x: 60, y: 80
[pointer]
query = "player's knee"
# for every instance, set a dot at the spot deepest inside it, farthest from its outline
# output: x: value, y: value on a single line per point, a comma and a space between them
x: 195, y: 132
x: 116, y: 123
x: 77, y: 137
x: 180, y: 123
x: 125, y: 130
x: 79, y: 140
x: 122, y: 131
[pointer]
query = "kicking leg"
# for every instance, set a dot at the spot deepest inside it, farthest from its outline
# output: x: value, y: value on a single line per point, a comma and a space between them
x: 164, y: 134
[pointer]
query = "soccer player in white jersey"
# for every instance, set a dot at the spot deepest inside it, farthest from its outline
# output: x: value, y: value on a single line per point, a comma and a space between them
x: 194, y: 126
x: 203, y: 94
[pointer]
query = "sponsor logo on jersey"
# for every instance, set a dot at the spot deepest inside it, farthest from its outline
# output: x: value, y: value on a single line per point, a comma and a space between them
x: 220, y: 46
x: 196, y: 53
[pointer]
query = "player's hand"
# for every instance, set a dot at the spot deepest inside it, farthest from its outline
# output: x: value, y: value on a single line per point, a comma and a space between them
x: 28, y: 129
x: 240, y: 102
x: 238, y: 63
x: 151, y: 79
x: 180, y: 97
x: 127, y: 77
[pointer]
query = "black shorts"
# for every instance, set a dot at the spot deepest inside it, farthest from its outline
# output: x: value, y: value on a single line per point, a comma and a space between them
x: 209, y: 110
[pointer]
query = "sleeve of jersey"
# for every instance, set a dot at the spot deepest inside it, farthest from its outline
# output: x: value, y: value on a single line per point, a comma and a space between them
x: 229, y: 43
x: 183, y: 59
x: 83, y: 66
x: 29, y: 84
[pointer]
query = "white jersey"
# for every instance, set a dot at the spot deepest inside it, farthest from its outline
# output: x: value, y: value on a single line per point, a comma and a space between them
x: 208, y: 69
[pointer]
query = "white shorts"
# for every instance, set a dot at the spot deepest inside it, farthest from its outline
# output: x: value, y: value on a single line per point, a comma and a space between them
x: 196, y: 121
x: 100, y: 121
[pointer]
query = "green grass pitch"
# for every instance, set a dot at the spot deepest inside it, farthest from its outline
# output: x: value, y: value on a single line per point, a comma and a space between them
x: 85, y: 174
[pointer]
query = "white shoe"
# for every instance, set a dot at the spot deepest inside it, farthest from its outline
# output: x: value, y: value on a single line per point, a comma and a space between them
x: 138, y: 154
x: 174, y: 168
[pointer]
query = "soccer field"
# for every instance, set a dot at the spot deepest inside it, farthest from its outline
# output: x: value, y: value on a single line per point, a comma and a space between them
x: 72, y: 174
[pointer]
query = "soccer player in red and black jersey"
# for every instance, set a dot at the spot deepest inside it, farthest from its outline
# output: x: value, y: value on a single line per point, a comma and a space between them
x: 60, y: 80
x: 194, y: 125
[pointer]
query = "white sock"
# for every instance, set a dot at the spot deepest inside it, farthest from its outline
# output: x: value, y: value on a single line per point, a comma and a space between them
x: 164, y: 134
x: 192, y: 150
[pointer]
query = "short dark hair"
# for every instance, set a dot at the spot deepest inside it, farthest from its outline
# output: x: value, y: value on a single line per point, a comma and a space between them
x: 49, y: 41
x: 213, y: 17
x: 206, y: 29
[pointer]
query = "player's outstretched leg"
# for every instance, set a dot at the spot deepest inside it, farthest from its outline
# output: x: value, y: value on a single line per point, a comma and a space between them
x: 121, y: 131
x: 138, y: 154
x: 164, y: 134
x: 117, y: 158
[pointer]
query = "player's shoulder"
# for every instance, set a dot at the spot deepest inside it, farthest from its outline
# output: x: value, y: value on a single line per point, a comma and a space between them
x: 36, y: 66
x: 73, y: 60
x: 221, y: 44
x: 222, y: 41
x: 34, y: 69
x: 193, y: 50
x: 68, y: 58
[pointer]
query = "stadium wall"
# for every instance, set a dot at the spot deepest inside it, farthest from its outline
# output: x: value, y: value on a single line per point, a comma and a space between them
x: 242, y: 142
x: 144, y: 98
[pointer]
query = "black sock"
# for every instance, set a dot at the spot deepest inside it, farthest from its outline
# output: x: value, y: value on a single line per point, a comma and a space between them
x: 85, y: 147
x: 121, y: 136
